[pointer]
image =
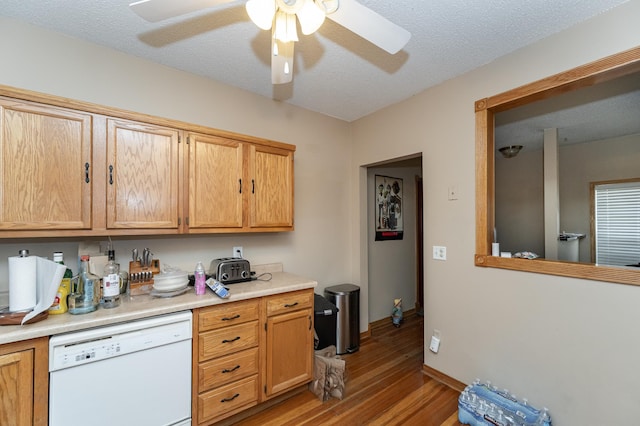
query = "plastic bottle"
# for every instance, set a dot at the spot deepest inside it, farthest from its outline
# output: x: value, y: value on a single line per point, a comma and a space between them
x: 200, y: 278
x: 111, y: 282
x: 60, y: 305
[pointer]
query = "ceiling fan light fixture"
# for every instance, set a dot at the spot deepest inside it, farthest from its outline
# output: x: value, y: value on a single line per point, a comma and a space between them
x: 311, y: 17
x: 281, y: 60
x: 285, y: 27
x: 261, y: 12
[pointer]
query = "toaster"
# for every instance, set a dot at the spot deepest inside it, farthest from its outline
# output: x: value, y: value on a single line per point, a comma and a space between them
x: 230, y: 270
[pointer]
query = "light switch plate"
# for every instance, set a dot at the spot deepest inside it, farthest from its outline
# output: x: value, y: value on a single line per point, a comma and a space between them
x: 452, y: 192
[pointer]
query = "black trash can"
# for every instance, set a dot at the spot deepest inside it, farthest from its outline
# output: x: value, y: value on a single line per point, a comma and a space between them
x: 325, y: 316
x: 346, y: 297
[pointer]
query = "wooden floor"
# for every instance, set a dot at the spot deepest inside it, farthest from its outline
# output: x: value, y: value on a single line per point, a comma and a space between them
x: 385, y: 386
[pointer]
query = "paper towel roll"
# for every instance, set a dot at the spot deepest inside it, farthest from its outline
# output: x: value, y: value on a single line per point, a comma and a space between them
x: 22, y: 283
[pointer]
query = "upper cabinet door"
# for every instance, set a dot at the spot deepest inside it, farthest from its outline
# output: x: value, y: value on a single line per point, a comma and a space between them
x: 45, y: 167
x: 142, y: 176
x: 215, y: 183
x: 271, y: 171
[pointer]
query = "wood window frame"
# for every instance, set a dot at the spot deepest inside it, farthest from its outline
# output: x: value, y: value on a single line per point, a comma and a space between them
x: 601, y: 70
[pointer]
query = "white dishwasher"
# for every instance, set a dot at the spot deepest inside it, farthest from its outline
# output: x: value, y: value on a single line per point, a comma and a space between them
x: 135, y: 373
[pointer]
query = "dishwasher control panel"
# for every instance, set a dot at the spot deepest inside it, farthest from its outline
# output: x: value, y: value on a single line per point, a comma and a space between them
x: 74, y: 349
x: 82, y: 353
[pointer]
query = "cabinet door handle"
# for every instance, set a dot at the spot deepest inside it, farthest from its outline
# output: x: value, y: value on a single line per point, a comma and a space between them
x: 236, y: 316
x: 253, y: 186
x: 231, y: 340
x: 226, y: 370
x: 86, y: 172
x: 240, y: 180
x: 310, y: 322
x: 110, y: 174
x: 230, y: 399
x: 291, y: 305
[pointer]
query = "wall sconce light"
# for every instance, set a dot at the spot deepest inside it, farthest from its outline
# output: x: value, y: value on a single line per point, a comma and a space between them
x: 510, y: 151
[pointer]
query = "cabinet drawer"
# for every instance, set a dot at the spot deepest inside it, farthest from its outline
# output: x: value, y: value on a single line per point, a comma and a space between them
x: 227, y: 340
x: 289, y: 302
x: 227, y: 314
x: 221, y: 371
x: 228, y: 400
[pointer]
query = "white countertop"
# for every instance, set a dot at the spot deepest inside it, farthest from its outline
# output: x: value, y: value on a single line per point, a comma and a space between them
x: 137, y: 307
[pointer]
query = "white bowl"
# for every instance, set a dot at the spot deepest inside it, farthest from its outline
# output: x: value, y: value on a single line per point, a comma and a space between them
x: 171, y: 275
x: 173, y: 286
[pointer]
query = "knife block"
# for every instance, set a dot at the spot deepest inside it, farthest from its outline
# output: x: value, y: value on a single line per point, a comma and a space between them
x: 139, y: 284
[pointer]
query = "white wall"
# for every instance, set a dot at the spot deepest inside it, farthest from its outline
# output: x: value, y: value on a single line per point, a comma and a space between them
x: 519, y: 190
x: 581, y: 164
x: 392, y: 263
x: 569, y: 344
x: 43, y: 61
x: 519, y: 193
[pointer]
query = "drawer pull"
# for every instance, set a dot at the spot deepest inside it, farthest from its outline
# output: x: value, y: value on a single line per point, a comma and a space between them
x: 236, y: 316
x: 230, y: 399
x: 226, y: 370
x: 291, y: 305
x: 231, y: 340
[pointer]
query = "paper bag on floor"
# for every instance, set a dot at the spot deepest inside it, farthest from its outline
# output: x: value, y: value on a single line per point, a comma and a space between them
x: 329, y: 374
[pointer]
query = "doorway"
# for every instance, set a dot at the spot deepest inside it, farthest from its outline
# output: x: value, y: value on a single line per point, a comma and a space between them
x: 395, y: 266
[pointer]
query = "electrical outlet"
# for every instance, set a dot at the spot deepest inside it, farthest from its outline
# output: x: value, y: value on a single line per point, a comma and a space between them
x: 434, y: 346
x: 237, y: 252
x: 439, y: 252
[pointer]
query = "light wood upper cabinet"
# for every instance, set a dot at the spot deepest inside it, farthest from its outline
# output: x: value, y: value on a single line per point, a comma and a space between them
x: 81, y: 169
x: 142, y: 176
x: 271, y: 171
x: 237, y: 186
x: 24, y: 383
x: 45, y: 167
x: 215, y: 182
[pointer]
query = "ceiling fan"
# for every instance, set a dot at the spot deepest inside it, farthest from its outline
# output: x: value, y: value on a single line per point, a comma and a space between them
x: 280, y: 17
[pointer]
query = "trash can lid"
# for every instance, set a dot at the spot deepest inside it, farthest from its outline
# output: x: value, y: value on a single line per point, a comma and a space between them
x: 321, y: 306
x: 342, y: 289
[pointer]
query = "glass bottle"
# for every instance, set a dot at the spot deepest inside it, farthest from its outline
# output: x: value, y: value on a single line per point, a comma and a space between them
x: 86, y: 296
x: 111, y: 282
x: 60, y: 305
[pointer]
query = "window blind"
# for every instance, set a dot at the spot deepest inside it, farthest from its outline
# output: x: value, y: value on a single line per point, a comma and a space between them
x: 617, y: 223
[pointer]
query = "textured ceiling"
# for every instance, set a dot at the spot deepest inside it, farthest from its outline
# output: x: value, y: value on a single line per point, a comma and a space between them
x: 604, y: 111
x: 335, y: 72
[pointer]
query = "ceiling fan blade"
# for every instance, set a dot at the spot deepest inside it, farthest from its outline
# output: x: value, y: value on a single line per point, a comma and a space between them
x: 370, y: 25
x: 281, y: 60
x: 158, y: 10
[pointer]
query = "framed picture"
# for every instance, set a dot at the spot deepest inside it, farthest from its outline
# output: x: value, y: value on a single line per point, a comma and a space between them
x: 388, y: 199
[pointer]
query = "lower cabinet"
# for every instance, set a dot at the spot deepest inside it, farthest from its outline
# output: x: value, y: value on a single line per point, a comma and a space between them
x: 249, y: 351
x: 24, y: 382
x: 227, y: 357
x: 289, y: 341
